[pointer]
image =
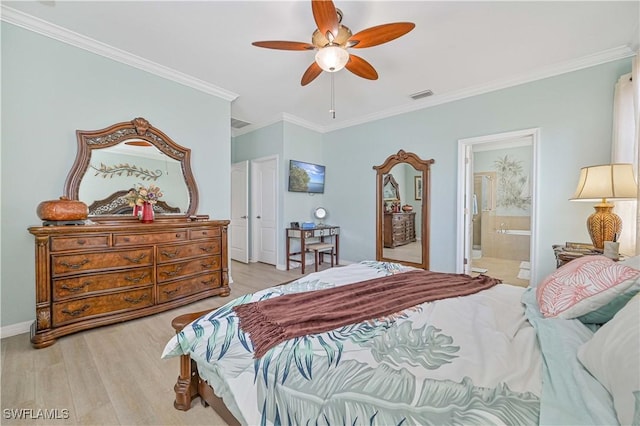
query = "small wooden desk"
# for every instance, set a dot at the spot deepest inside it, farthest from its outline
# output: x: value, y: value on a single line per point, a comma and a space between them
x: 305, y: 234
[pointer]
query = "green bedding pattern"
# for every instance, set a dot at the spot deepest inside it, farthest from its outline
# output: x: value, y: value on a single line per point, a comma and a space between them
x: 370, y: 373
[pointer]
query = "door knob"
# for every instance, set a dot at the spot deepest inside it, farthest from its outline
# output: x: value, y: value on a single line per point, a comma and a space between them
x: 243, y: 217
x: 258, y: 217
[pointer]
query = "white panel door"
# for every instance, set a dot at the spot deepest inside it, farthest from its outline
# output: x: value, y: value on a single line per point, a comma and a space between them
x: 264, y: 190
x: 239, y: 228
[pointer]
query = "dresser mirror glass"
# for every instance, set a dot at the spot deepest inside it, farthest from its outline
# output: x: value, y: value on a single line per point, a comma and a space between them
x: 112, y: 161
x: 402, y: 210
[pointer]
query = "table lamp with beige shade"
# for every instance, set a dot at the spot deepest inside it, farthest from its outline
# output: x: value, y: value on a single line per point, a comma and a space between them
x: 602, y: 183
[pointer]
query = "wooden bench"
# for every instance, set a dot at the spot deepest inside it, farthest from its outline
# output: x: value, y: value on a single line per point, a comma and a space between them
x: 319, y: 249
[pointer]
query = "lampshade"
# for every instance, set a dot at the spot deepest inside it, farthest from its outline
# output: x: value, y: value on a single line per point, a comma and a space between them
x: 332, y: 58
x: 612, y: 181
x: 599, y: 183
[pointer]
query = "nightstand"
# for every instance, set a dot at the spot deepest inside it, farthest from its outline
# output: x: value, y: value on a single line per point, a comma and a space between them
x: 567, y: 252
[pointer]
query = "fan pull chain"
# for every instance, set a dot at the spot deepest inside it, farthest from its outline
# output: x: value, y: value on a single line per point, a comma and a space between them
x: 332, y: 111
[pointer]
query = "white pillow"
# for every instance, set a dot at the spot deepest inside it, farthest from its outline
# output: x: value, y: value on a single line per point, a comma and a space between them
x: 631, y: 262
x: 583, y: 285
x: 612, y: 356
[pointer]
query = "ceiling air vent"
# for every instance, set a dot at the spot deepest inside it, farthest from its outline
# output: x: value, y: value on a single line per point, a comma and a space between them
x: 238, y: 124
x: 420, y: 95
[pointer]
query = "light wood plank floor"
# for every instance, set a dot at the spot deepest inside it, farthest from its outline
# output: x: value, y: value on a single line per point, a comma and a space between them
x: 505, y: 269
x: 113, y: 375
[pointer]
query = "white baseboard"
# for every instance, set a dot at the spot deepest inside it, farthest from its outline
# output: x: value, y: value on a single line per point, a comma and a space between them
x: 15, y: 329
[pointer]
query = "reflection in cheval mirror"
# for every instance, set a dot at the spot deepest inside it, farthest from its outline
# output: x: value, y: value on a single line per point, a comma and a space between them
x: 114, y: 160
x: 403, y: 210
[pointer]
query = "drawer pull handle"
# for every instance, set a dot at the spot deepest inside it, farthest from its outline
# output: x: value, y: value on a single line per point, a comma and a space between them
x: 75, y: 265
x: 178, y: 235
x: 170, y: 255
x: 172, y: 273
x: 76, y: 312
x: 208, y: 282
x: 82, y: 242
x: 204, y: 232
x: 136, y: 300
x: 207, y: 249
x: 206, y: 265
x: 136, y: 279
x: 135, y: 259
x: 75, y: 289
x: 170, y: 292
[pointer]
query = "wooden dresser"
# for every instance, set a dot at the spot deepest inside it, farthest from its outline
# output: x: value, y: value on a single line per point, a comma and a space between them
x: 399, y: 229
x: 92, y: 275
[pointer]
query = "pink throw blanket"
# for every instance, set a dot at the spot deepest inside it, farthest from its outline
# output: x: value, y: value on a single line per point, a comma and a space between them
x: 272, y: 321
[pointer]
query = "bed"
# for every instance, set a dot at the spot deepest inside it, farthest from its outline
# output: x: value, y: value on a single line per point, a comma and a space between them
x: 502, y: 355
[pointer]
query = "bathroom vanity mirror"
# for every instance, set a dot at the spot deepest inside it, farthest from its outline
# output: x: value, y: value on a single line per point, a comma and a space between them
x: 402, y: 210
x: 113, y: 160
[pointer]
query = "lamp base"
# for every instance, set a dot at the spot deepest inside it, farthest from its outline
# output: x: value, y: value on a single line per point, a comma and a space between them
x: 603, y: 225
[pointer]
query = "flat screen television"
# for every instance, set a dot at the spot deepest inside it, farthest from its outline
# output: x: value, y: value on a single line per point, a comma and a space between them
x: 306, y: 177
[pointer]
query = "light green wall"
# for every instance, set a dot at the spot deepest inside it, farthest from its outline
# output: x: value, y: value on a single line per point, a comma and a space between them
x: 573, y: 111
x: 286, y: 141
x: 51, y: 89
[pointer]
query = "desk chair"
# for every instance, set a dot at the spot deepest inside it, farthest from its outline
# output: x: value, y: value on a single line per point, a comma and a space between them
x: 319, y: 249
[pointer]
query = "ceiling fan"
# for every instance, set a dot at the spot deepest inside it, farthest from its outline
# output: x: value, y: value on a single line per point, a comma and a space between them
x: 332, y: 39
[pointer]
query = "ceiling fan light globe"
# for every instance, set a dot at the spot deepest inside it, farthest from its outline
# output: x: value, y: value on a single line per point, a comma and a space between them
x: 332, y: 58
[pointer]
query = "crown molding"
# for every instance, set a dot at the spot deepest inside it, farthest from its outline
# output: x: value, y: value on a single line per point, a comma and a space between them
x: 64, y: 35
x: 599, y: 58
x: 284, y: 117
x: 302, y: 123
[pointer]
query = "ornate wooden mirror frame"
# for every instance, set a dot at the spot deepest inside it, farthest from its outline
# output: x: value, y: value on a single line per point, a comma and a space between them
x: 390, y: 187
x: 382, y: 171
x: 136, y: 132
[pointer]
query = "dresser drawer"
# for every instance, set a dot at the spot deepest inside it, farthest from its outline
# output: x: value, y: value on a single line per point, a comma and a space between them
x: 76, y: 310
x: 79, y: 242
x: 173, y: 271
x: 106, y: 260
x: 198, y: 234
x: 176, y: 290
x: 170, y: 253
x: 151, y: 238
x: 67, y: 288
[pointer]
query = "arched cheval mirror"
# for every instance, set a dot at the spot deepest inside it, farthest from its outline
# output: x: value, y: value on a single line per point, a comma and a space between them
x: 113, y: 160
x: 402, y: 209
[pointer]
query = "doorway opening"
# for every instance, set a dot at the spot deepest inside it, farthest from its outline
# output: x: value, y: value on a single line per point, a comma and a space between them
x: 496, y: 224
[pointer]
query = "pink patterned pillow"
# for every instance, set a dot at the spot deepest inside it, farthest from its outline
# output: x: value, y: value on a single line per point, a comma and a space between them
x: 583, y: 285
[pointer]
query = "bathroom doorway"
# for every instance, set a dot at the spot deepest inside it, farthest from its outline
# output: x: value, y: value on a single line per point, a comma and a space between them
x: 496, y: 191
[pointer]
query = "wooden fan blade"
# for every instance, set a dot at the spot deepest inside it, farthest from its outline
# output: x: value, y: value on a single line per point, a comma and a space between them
x: 361, y: 68
x: 284, y: 45
x: 380, y: 34
x: 311, y: 73
x: 326, y: 17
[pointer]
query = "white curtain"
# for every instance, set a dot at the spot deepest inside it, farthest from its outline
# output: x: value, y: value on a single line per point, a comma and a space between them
x: 635, y: 77
x: 624, y: 150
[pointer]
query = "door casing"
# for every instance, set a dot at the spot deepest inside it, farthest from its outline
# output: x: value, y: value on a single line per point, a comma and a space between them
x: 465, y: 194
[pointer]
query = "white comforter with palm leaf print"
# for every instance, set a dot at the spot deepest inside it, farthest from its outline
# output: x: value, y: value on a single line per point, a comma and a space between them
x: 464, y: 360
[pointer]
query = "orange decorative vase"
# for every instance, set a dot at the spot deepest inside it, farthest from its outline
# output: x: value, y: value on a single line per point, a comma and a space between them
x: 147, y: 213
x: 62, y: 209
